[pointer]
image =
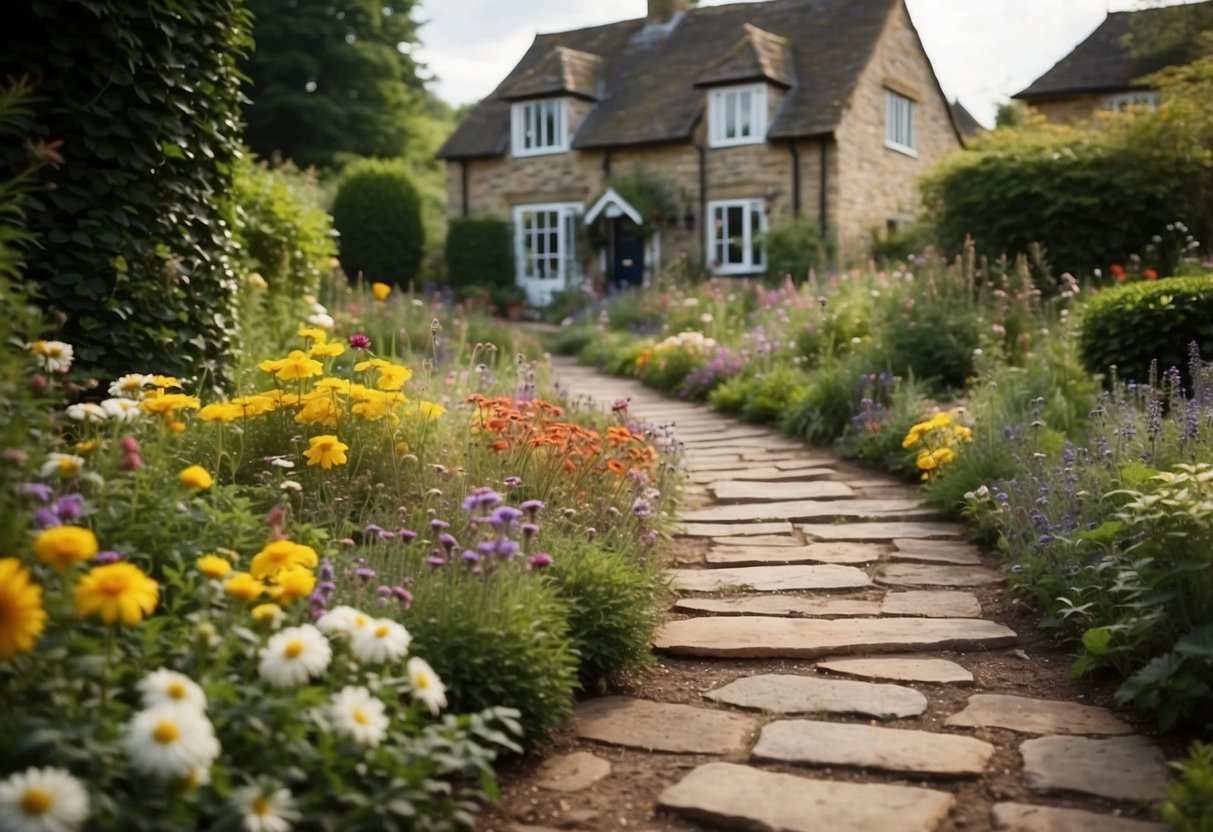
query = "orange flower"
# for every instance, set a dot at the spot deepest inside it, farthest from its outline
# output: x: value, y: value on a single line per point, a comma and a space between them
x: 1149, y: 274
x: 499, y: 445
x: 617, y: 467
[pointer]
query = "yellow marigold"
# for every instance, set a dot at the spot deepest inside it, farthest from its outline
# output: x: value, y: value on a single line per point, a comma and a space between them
x: 313, y: 333
x: 381, y: 291
x: 298, y: 365
x: 319, y: 409
x: 268, y: 614
x: 332, y: 350
x: 165, y: 381
x: 196, y: 477
x: 116, y: 591
x: 371, y: 363
x: 62, y: 547
x: 326, y: 451
x: 430, y: 410
x: 332, y: 384
x: 258, y: 404
x: 213, y: 567
x: 372, y: 409
x: 22, y: 617
x: 393, y: 376
x: 244, y: 587
x: 176, y: 427
x: 221, y: 412
x: 164, y: 404
x: 930, y: 460
x: 271, y: 365
x: 292, y: 584
x: 962, y: 433
x: 280, y: 555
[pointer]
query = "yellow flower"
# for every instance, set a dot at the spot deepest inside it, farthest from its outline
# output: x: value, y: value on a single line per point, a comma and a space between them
x: 64, y: 546
x: 929, y: 460
x: 331, y: 384
x: 163, y: 404
x: 87, y: 446
x: 22, y: 617
x: 268, y: 614
x: 380, y: 291
x: 370, y: 363
x: 962, y: 433
x: 298, y: 365
x: 313, y: 333
x: 430, y: 410
x: 320, y: 409
x: 176, y: 427
x: 116, y: 591
x: 243, y: 586
x: 221, y: 412
x: 196, y: 477
x: 326, y: 451
x: 292, y: 584
x: 271, y: 365
x: 213, y: 567
x: 393, y: 376
x: 165, y: 381
x: 256, y: 405
x: 327, y: 350
x: 281, y: 555
x: 372, y: 409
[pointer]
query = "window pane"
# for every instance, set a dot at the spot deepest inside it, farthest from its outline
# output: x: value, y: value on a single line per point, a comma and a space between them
x: 756, y: 254
x: 735, y: 224
x: 730, y: 115
x: 745, y: 106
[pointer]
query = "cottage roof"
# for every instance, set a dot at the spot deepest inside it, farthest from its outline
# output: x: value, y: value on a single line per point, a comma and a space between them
x: 818, y: 47
x: 1104, y: 62
x: 965, y: 122
x: 757, y: 55
x: 561, y: 70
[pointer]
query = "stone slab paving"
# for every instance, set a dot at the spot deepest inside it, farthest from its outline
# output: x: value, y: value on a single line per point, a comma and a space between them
x: 935, y: 551
x: 732, y: 529
x: 572, y: 772
x: 810, y: 510
x: 934, y: 671
x: 777, y: 693
x: 662, y: 726
x: 786, y: 605
x: 918, y: 574
x: 838, y: 553
x: 870, y: 747
x: 752, y: 636
x: 1036, y: 716
x: 881, y: 532
x: 1121, y: 768
x: 1024, y: 817
x: 769, y: 578
x: 731, y: 491
x: 758, y: 540
x: 740, y: 797
x: 759, y: 473
x: 927, y: 603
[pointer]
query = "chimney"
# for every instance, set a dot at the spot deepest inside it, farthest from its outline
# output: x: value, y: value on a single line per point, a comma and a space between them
x: 662, y: 11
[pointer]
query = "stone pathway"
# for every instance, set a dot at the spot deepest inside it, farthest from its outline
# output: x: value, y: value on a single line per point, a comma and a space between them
x: 886, y: 728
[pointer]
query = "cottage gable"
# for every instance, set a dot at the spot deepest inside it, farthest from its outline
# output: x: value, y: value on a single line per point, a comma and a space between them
x: 758, y: 55
x: 561, y: 71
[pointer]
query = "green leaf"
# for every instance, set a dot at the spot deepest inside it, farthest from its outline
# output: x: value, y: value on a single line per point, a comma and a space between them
x: 1097, y: 641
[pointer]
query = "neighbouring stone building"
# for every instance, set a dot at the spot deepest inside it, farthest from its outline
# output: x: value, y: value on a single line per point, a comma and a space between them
x: 1101, y: 74
x: 728, y: 120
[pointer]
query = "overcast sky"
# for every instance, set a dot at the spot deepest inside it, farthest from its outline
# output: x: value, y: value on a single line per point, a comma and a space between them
x: 983, y: 50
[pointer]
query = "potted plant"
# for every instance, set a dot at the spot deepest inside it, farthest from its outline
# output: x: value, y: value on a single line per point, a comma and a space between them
x: 509, y: 301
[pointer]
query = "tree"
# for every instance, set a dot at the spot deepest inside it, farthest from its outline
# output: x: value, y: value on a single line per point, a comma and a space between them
x: 1171, y: 34
x: 330, y: 77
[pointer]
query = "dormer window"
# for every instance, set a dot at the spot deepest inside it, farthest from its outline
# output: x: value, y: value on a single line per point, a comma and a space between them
x: 737, y: 115
x: 539, y: 126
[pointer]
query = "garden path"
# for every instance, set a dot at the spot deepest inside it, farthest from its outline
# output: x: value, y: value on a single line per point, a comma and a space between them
x: 837, y: 658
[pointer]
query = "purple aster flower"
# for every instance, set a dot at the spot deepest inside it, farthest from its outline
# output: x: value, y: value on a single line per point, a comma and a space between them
x: 488, y: 547
x: 403, y: 596
x: 529, y: 530
x: 483, y: 497
x: 641, y: 508
x: 107, y: 556
x: 470, y: 557
x: 448, y: 541
x: 326, y: 588
x: 326, y: 569
x: 360, y: 342
x: 70, y: 507
x: 539, y: 560
x: 364, y: 573
x: 406, y: 535
x: 45, y: 518
x: 532, y: 506
x: 439, y: 525
x: 504, y: 515
x: 436, y: 561
x: 507, y: 548
x: 36, y: 491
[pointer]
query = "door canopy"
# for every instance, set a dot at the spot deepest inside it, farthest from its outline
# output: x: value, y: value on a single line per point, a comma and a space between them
x: 612, y: 206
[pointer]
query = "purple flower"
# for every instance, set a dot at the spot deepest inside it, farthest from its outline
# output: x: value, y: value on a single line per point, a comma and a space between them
x: 436, y: 560
x: 504, y: 515
x: 360, y: 342
x: 403, y: 596
x: 539, y: 560
x: 483, y: 497
x: 70, y: 507
x: 38, y: 492
x: 507, y: 548
x: 529, y: 530
x: 364, y: 573
x: 107, y: 556
x: 448, y: 541
x: 470, y: 557
x: 326, y: 588
x: 326, y: 569
x: 45, y: 518
x: 621, y: 405
x: 439, y: 525
x: 641, y: 507
x: 406, y: 535
x: 532, y: 506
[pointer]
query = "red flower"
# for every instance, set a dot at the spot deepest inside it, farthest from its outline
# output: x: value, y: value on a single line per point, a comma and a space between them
x: 1149, y: 274
x: 1118, y: 272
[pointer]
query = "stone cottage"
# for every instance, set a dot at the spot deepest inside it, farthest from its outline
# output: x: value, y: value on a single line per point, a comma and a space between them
x: 731, y: 119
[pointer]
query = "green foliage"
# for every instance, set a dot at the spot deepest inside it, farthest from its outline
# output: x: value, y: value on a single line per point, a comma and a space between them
x: 330, y: 78
x: 934, y: 341
x: 378, y: 217
x: 796, y: 248
x: 1188, y: 802
x: 571, y: 340
x: 762, y: 396
x: 652, y: 198
x: 16, y: 99
x: 612, y: 609
x: 283, y: 233
x: 1133, y: 325
x: 145, y: 99
x: 479, y: 252
x: 825, y: 409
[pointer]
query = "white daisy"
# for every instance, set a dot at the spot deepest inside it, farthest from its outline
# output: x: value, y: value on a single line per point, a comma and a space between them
x: 130, y: 386
x: 52, y: 356
x: 168, y: 687
x: 264, y: 810
x: 382, y: 640
x: 427, y: 687
x: 170, y: 741
x: 42, y: 800
x: 343, y: 619
x: 122, y: 410
x: 358, y: 715
x: 86, y: 412
x: 294, y: 655
x: 323, y: 320
x: 62, y: 465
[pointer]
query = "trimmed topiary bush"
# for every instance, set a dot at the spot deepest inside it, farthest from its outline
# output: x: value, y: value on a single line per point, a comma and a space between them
x: 1132, y: 325
x: 478, y: 253
x: 377, y: 214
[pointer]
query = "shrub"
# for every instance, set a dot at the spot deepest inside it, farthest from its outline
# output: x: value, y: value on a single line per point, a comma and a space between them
x: 1188, y: 806
x: 1133, y: 325
x: 933, y: 341
x: 828, y: 404
x: 479, y: 252
x: 796, y: 249
x: 612, y: 615
x: 377, y: 213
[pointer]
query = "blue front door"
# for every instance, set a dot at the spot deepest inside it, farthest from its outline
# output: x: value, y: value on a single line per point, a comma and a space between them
x: 627, y: 256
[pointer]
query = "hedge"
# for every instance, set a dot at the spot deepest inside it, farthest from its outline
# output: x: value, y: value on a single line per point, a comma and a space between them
x: 479, y: 252
x: 377, y: 214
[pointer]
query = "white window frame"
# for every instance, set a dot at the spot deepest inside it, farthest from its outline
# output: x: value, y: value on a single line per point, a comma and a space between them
x: 720, y: 233
x: 737, y: 115
x: 899, y: 123
x: 1137, y: 98
x: 531, y: 134
x: 533, y: 255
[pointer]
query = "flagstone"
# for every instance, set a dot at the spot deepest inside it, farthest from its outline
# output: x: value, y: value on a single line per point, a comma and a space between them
x: 753, y: 636
x: 755, y: 473
x: 1024, y: 817
x: 758, y: 540
x: 881, y: 532
x: 786, y: 605
x: 572, y: 772
x: 934, y: 671
x: 810, y: 510
x: 787, y: 458
x: 784, y: 694
x: 928, y: 603
x: 727, y: 794
x: 835, y: 553
x: 1121, y: 768
x: 914, y: 574
x: 770, y: 578
x: 871, y: 747
x: 739, y: 491
x: 732, y: 529
x: 662, y: 726
x: 936, y: 551
x: 1036, y: 716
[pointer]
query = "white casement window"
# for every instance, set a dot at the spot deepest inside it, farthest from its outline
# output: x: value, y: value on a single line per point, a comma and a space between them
x: 737, y: 115
x: 899, y: 123
x: 545, y: 245
x: 735, y: 230
x: 539, y: 127
x: 1147, y: 99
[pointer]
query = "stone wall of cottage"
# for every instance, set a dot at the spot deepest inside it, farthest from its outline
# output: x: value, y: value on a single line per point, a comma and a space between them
x: 877, y: 184
x: 1073, y: 110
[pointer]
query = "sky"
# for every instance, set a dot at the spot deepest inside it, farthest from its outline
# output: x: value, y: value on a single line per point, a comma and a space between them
x: 983, y: 51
